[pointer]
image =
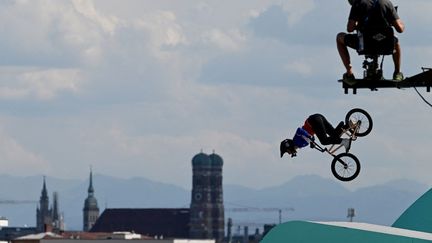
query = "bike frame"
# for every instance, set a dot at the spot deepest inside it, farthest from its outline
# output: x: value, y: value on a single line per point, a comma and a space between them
x: 335, y: 147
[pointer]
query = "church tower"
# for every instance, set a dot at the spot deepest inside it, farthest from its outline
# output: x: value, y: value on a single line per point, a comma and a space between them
x: 207, y: 210
x: 57, y: 217
x: 43, y: 212
x: 218, y: 217
x: 91, y: 209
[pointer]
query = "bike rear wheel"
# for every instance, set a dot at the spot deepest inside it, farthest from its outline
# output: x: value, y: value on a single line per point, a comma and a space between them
x: 357, y: 115
x: 345, y: 167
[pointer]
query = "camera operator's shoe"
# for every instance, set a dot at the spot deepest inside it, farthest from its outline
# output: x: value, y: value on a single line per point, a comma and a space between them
x: 398, y: 76
x: 348, y: 78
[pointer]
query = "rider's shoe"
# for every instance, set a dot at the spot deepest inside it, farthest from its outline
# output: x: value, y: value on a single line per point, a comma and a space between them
x: 340, y: 128
x: 346, y: 143
x: 351, y: 124
x: 398, y: 76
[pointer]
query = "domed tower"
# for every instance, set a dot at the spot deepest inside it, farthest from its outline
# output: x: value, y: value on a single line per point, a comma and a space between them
x: 200, y: 209
x: 218, y: 221
x: 91, y: 209
x: 207, y: 211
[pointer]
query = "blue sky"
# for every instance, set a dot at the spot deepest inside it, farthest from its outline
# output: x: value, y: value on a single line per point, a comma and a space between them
x: 138, y: 87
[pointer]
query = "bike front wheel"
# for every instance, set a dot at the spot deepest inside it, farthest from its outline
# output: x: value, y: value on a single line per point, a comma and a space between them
x: 362, y: 118
x: 345, y: 167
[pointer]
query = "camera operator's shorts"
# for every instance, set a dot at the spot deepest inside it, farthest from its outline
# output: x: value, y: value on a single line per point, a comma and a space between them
x: 352, y: 40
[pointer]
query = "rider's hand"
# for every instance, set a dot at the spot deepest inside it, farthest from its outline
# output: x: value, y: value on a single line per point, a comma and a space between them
x: 308, y: 139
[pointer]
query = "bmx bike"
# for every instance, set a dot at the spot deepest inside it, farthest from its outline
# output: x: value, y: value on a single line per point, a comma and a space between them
x: 345, y: 166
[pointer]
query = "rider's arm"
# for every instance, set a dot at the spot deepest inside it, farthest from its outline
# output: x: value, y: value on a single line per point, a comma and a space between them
x: 303, y: 133
x: 299, y: 138
x: 392, y: 17
x: 353, y: 18
x: 399, y: 25
x: 351, y: 26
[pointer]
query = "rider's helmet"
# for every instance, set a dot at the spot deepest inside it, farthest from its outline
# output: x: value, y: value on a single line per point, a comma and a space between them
x: 287, y: 146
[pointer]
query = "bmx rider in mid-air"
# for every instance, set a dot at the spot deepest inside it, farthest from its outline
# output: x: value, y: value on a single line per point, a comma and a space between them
x: 318, y: 125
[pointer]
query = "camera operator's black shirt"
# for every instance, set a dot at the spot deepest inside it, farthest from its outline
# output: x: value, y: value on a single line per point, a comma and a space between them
x: 383, y: 14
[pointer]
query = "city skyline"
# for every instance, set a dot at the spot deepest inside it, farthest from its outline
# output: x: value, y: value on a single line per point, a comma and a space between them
x: 114, y: 192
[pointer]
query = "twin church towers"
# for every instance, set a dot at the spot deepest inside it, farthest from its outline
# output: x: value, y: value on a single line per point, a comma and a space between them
x: 207, y: 208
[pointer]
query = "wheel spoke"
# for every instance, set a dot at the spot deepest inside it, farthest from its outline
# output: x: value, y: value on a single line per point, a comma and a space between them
x: 364, y: 121
x: 350, y: 169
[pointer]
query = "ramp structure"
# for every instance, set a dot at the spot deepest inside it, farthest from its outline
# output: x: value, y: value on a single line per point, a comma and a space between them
x: 413, y: 226
x: 418, y: 216
x: 342, y: 232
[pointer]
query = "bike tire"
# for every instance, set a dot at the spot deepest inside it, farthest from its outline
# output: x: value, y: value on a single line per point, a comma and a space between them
x: 345, y: 173
x: 358, y: 114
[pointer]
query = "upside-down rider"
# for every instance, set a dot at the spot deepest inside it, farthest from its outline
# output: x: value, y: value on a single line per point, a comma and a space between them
x: 318, y: 125
x: 366, y: 14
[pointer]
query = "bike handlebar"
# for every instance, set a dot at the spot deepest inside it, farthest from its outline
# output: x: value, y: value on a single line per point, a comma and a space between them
x: 318, y: 147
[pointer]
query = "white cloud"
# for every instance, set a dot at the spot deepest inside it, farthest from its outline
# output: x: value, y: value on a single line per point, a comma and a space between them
x: 163, y: 28
x: 143, y: 104
x: 231, y: 41
x: 40, y: 84
x: 87, y: 8
x: 150, y: 155
x: 19, y: 160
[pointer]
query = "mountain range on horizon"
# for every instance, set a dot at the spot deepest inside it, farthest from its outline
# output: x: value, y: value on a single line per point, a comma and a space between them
x: 298, y: 199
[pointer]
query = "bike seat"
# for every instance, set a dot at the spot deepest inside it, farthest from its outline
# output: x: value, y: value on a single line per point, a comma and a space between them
x: 378, y: 41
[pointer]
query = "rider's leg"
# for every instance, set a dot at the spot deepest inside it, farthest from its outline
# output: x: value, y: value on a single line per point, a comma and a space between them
x: 333, y: 132
x: 343, y: 52
x: 397, y: 75
x: 322, y: 129
x: 397, y: 58
x: 339, y: 128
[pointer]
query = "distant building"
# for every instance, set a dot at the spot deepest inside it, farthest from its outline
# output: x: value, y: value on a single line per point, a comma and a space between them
x: 153, y: 222
x: 86, y: 237
x: 9, y: 233
x: 203, y: 220
x: 46, y: 216
x: 43, y: 212
x: 207, y: 209
x: 91, y: 209
x: 4, y: 222
x: 246, y: 237
x: 57, y: 218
